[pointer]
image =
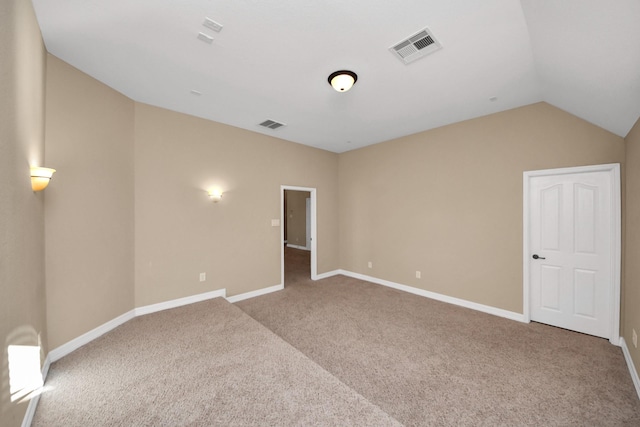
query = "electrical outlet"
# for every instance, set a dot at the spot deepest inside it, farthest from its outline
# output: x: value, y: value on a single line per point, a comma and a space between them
x: 203, y: 277
x: 370, y: 264
x: 634, y: 338
x: 418, y: 274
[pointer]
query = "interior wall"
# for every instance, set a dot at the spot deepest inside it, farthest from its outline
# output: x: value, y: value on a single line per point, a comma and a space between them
x: 90, y: 206
x: 22, y: 266
x: 448, y: 202
x: 631, y: 319
x: 296, y: 211
x: 180, y: 233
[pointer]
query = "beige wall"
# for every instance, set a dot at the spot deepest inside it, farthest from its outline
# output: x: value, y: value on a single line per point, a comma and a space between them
x: 89, y: 220
x: 93, y: 234
x: 631, y: 319
x: 296, y: 202
x: 22, y: 266
x: 448, y: 202
x: 181, y: 233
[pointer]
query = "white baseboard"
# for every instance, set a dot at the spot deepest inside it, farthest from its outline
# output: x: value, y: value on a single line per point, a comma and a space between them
x: 253, y: 294
x: 86, y: 338
x: 45, y: 368
x: 31, y: 411
x: 327, y: 274
x: 33, y: 402
x: 166, y: 305
x: 630, y: 365
x: 439, y: 297
x: 304, y: 248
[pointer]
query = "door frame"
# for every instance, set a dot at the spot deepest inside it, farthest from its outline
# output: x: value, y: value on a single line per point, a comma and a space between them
x: 307, y: 225
x: 616, y: 238
x: 314, y: 256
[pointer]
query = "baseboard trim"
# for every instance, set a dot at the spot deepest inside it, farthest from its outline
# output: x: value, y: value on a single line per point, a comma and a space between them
x: 45, y: 367
x: 31, y: 411
x: 326, y: 275
x: 33, y: 402
x: 166, y: 305
x: 304, y: 248
x: 74, y: 344
x: 439, y: 297
x: 630, y: 365
x: 254, y: 294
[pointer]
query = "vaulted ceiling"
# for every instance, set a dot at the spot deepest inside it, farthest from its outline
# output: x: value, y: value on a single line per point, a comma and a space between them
x: 272, y: 58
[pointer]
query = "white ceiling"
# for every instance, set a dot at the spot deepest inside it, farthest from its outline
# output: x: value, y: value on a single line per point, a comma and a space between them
x: 272, y: 59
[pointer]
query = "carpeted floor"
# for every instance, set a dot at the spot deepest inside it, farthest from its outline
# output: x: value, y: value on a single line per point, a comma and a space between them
x: 206, y: 364
x: 429, y: 363
x: 355, y: 354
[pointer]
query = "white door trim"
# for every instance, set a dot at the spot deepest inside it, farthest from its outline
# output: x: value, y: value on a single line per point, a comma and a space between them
x: 614, y: 170
x: 307, y: 225
x: 314, y: 256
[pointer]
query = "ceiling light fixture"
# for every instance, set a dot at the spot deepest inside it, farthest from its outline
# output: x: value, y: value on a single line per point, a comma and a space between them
x: 342, y: 80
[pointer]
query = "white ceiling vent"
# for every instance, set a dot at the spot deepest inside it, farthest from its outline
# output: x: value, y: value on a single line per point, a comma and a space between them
x: 211, y: 24
x: 271, y: 124
x: 205, y: 38
x: 416, y: 46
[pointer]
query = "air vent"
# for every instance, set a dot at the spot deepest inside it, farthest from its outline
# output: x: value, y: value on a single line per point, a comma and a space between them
x: 211, y: 24
x: 416, y: 46
x: 271, y: 124
x: 205, y: 38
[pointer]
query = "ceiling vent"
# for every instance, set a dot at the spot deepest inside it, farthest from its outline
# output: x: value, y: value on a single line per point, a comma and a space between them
x: 211, y: 24
x: 205, y: 38
x: 271, y: 124
x: 415, y: 47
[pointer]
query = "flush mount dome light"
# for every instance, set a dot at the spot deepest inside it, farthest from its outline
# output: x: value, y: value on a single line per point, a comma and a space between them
x: 343, y: 80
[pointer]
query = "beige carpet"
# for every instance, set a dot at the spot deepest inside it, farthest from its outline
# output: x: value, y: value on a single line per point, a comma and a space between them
x: 430, y: 363
x: 366, y: 355
x: 207, y: 364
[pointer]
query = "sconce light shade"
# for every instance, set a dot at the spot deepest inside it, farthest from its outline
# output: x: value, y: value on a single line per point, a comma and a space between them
x: 342, y: 80
x: 215, y: 195
x: 40, y: 177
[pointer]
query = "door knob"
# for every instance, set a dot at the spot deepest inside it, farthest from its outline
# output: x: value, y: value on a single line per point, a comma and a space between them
x: 535, y: 256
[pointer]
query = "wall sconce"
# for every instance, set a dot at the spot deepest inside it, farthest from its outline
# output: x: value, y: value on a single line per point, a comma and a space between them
x: 215, y: 195
x: 40, y: 177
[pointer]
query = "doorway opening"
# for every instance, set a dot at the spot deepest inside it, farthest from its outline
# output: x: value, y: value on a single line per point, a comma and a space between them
x: 298, y: 231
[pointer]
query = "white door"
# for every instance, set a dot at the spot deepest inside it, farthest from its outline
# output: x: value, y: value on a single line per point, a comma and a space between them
x: 570, y: 251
